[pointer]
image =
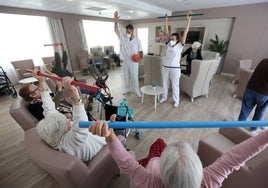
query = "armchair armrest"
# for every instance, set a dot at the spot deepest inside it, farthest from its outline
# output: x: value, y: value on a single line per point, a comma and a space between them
x: 236, y: 135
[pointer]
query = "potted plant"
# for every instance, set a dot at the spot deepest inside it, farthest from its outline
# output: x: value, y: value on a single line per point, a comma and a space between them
x: 217, y: 45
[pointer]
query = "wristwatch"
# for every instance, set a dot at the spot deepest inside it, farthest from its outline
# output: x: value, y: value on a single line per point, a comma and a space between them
x: 76, y: 100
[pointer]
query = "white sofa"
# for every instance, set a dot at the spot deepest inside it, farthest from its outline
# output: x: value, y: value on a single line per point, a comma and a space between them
x: 197, y: 84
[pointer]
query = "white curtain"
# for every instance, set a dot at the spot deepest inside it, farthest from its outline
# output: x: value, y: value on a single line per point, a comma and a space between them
x: 83, y: 36
x: 57, y: 34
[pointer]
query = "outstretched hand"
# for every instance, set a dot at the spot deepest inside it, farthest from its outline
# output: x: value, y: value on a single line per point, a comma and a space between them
x: 67, y: 84
x: 102, y: 129
x: 116, y: 17
x: 188, y: 14
x: 34, y: 74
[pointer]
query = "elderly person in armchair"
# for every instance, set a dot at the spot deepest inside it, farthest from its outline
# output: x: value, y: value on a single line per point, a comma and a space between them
x: 62, y: 133
x: 193, y: 52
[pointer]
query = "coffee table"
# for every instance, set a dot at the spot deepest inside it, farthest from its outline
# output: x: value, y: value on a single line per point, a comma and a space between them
x: 150, y: 90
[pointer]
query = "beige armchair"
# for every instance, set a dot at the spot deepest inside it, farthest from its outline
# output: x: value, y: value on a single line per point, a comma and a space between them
x: 252, y: 174
x: 21, y: 66
x: 68, y: 171
x: 197, y: 84
x: 243, y: 63
x: 48, y: 62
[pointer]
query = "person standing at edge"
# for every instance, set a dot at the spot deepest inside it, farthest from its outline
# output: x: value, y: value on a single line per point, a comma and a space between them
x: 171, y: 70
x: 256, y: 94
x: 129, y: 45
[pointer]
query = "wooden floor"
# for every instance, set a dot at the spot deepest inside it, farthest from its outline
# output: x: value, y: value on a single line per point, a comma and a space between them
x: 17, y: 170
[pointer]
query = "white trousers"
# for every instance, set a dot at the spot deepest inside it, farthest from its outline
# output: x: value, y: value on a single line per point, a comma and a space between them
x: 171, y: 75
x: 131, y: 76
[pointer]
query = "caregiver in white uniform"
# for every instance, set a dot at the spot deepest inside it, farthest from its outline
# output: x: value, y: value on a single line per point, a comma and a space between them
x: 171, y: 71
x: 129, y: 45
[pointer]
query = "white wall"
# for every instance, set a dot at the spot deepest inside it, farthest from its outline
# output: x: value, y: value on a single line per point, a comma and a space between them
x: 222, y: 27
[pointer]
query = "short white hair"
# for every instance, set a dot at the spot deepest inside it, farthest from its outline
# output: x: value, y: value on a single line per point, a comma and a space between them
x: 196, y: 45
x: 180, y: 167
x: 52, y: 128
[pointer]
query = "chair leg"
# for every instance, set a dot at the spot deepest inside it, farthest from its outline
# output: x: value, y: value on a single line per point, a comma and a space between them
x: 192, y: 99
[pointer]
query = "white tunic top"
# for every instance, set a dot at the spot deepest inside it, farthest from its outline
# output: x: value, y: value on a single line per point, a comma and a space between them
x: 129, y: 47
x: 173, y: 55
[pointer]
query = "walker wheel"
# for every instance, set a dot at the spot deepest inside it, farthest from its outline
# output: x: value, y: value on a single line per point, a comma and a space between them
x: 139, y: 134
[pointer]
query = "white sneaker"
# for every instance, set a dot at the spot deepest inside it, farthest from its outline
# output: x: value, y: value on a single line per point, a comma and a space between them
x: 176, y: 104
x: 138, y: 95
x: 255, y: 131
x: 126, y: 92
x: 162, y: 100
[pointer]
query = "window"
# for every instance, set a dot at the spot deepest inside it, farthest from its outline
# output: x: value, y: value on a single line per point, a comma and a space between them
x: 143, y: 36
x: 23, y: 37
x: 99, y: 33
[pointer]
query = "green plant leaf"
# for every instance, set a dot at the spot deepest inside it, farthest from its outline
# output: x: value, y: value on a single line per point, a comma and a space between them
x: 217, y: 45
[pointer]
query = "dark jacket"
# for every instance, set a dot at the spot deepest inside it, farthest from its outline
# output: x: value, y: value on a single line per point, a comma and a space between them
x: 259, y: 79
x: 189, y: 60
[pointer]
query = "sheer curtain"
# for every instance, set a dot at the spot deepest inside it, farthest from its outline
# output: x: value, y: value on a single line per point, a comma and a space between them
x: 83, y: 36
x: 57, y: 34
x: 22, y: 37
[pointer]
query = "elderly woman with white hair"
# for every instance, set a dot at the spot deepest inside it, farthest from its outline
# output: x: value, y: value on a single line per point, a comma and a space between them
x: 179, y: 166
x: 61, y: 133
x: 193, y: 52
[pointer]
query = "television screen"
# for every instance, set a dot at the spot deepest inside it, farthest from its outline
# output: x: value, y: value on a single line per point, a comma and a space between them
x: 192, y: 36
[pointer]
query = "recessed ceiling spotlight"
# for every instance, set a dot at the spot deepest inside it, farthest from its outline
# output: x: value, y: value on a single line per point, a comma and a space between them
x: 131, y: 11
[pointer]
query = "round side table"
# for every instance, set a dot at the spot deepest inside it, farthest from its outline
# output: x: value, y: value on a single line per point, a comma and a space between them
x: 150, y: 90
x: 28, y: 80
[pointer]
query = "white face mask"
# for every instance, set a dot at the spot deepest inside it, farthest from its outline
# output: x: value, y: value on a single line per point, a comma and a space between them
x: 172, y: 42
x: 128, y: 35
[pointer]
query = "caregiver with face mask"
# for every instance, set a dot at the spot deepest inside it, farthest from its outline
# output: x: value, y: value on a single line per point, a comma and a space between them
x: 171, y: 71
x: 130, y: 45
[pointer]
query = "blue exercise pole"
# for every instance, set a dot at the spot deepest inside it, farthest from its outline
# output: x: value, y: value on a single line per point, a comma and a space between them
x: 180, y: 124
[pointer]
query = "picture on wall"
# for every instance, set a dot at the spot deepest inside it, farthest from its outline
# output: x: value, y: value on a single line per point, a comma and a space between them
x: 159, y: 34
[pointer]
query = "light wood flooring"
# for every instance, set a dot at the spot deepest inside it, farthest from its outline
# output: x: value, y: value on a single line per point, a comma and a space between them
x: 17, y: 170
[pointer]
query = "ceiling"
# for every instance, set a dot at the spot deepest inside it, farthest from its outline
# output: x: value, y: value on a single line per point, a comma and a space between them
x: 128, y: 9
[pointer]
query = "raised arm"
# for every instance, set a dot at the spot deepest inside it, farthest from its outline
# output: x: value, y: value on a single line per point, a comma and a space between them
x: 166, y: 32
x: 116, y: 21
x: 79, y: 113
x: 48, y: 104
x: 186, y: 29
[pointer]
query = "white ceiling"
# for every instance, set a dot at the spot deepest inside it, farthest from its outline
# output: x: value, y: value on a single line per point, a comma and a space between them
x: 128, y: 9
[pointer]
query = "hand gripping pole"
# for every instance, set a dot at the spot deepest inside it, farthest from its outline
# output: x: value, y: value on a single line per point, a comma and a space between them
x: 181, y: 124
x: 93, y: 89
